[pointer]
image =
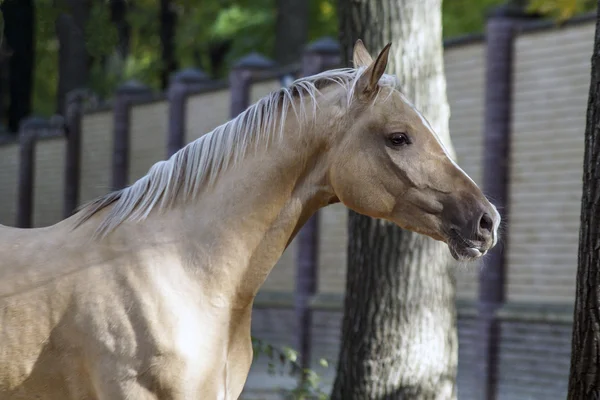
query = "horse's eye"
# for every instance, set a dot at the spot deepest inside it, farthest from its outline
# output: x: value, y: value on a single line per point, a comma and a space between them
x: 399, y: 139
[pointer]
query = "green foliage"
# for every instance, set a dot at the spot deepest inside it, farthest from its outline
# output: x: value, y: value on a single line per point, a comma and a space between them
x: 100, y: 34
x: 248, y: 25
x: 244, y: 25
x: 323, y: 19
x: 45, y: 77
x: 461, y: 17
x: 561, y: 10
x: 144, y: 60
x: 308, y: 388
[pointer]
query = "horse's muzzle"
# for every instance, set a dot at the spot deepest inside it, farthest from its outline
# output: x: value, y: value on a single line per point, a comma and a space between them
x: 475, y: 236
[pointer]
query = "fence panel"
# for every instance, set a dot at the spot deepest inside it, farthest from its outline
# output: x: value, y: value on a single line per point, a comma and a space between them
x: 551, y: 83
x: 148, y: 137
x: 96, y: 154
x: 206, y: 111
x: 9, y: 174
x: 49, y: 180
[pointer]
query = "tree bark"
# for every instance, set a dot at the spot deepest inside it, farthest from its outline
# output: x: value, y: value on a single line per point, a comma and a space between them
x: 74, y: 60
x: 584, y: 379
x: 399, y: 337
x: 19, y: 33
x: 167, y: 36
x: 291, y: 30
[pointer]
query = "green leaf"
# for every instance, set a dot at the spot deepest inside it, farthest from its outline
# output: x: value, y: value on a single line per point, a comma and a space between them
x: 290, y: 354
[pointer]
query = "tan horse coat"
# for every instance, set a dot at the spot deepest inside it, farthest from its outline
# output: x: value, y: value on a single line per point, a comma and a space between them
x: 147, y: 293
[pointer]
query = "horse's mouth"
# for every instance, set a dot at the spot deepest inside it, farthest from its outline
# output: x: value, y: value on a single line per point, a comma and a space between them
x: 463, y: 249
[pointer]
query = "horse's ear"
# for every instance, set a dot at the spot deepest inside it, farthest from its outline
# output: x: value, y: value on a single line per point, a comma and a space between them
x: 360, y: 56
x: 367, y: 83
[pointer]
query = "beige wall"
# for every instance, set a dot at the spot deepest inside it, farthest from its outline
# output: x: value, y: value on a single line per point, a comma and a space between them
x: 9, y: 175
x: 332, y: 249
x: 148, y: 137
x: 551, y: 81
x: 261, y: 89
x: 49, y: 181
x: 96, y: 155
x: 205, y: 112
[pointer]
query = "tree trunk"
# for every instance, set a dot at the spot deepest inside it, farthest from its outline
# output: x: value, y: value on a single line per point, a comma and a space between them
x: 74, y: 61
x: 217, y: 53
x: 4, y: 88
x: 19, y: 32
x: 584, y: 380
x: 291, y: 30
x: 118, y: 16
x: 167, y: 35
x: 399, y: 337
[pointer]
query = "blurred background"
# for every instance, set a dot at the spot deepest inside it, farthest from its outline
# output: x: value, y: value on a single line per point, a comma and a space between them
x: 93, y: 92
x: 64, y: 44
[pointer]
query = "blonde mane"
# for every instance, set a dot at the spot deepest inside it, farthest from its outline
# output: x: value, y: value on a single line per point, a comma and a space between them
x: 200, y: 162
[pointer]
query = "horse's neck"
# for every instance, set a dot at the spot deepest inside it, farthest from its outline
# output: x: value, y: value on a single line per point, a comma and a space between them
x: 240, y: 228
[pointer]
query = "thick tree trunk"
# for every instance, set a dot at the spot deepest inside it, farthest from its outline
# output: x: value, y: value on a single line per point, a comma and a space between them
x: 584, y: 380
x: 74, y: 61
x: 19, y: 32
x: 399, y: 336
x: 167, y: 36
x: 291, y: 30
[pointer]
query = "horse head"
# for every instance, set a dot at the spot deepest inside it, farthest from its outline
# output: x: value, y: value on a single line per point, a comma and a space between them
x: 389, y: 163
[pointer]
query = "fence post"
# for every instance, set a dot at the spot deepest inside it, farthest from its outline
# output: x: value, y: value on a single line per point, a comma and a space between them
x: 125, y: 95
x: 240, y: 79
x: 28, y: 131
x: 500, y: 33
x: 74, y: 114
x: 318, y: 56
x: 182, y: 84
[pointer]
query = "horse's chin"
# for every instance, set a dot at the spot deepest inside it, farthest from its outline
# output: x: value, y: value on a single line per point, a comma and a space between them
x: 463, y: 253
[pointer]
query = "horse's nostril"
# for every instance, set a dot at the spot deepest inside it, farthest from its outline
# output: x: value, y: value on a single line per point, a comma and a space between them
x: 486, y: 224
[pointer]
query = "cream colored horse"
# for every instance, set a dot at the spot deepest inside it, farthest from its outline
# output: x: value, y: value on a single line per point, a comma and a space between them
x: 146, y: 293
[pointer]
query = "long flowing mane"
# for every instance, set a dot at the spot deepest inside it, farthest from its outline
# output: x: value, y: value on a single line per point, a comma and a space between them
x: 201, y: 161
